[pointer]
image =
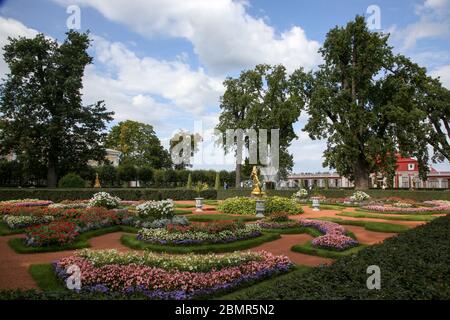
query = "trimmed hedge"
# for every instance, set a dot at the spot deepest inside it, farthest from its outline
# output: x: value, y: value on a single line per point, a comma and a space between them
x: 414, y: 265
x: 57, y: 195
x: 419, y: 195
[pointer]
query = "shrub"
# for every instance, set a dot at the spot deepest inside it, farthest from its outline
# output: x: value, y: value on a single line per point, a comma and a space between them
x: 104, y: 199
x: 278, y: 217
x: 359, y: 196
x: 71, y: 180
x: 280, y: 204
x: 55, y: 233
x: 163, y: 209
x: 300, y: 194
x: 238, y: 205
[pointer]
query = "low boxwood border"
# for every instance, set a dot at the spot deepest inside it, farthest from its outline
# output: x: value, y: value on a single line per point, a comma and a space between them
x: 131, y: 242
x: 308, y: 248
x: 385, y: 217
x: 18, y: 245
x: 369, y: 225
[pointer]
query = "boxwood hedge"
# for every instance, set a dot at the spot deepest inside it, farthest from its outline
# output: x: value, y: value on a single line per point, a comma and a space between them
x: 57, y: 195
x: 414, y: 265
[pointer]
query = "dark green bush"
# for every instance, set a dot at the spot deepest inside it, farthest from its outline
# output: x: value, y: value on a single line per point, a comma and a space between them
x: 57, y: 195
x: 414, y: 265
x: 71, y: 180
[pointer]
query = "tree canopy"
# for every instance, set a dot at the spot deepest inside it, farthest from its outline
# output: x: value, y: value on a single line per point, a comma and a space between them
x: 139, y: 145
x: 42, y: 118
x: 369, y: 104
x: 262, y: 98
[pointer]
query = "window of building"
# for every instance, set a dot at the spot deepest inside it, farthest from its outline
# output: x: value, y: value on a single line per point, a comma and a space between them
x: 410, y: 166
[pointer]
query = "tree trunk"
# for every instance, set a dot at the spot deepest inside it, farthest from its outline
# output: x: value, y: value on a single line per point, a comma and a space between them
x: 361, y: 173
x: 238, y: 175
x: 52, y: 178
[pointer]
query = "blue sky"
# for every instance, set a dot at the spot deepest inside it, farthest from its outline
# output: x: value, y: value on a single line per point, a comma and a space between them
x: 163, y: 61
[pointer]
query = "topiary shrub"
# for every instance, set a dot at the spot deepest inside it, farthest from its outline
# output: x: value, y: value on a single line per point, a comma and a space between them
x: 281, y: 204
x: 238, y: 205
x: 71, y: 180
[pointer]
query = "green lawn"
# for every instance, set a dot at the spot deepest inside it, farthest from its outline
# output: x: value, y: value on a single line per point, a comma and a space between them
x: 330, y: 207
x: 18, y: 245
x: 369, y: 225
x: 46, y: 278
x: 5, y: 230
x: 131, y: 242
x: 386, y: 217
x: 308, y: 248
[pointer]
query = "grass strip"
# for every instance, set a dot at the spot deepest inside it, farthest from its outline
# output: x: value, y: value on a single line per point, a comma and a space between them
x: 385, y: 217
x: 131, y: 242
x: 308, y: 248
x: 6, y: 231
x: 45, y: 277
x: 19, y: 246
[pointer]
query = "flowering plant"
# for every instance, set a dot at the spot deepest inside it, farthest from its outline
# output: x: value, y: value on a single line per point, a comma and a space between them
x: 104, y: 199
x: 278, y: 217
x: 208, y: 227
x: 166, y: 282
x: 334, y: 235
x: 26, y: 203
x: 300, y: 194
x: 54, y: 233
x: 17, y: 222
x: 412, y: 210
x: 359, y: 196
x: 156, y: 209
x: 268, y: 224
x: 164, y: 236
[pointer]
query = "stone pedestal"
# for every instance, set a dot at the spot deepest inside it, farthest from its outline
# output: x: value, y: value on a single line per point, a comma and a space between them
x: 199, y: 204
x: 260, y: 208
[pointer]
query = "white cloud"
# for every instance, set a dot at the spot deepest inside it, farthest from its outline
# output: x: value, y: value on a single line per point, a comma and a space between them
x: 11, y: 28
x: 224, y: 36
x: 444, y: 73
x: 434, y: 22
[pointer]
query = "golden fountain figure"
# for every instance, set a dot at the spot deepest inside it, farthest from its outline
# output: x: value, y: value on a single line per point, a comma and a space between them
x: 256, y: 184
x: 97, y: 181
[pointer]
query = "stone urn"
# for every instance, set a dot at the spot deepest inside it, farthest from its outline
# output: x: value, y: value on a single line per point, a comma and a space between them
x: 199, y: 204
x: 315, y: 203
x: 260, y: 208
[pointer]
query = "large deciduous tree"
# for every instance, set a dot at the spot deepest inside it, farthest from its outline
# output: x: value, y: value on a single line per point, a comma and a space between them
x: 43, y: 119
x: 368, y: 103
x: 262, y: 98
x: 139, y: 145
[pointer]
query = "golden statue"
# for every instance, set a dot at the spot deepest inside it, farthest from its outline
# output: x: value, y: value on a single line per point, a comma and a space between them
x: 97, y: 182
x: 256, y: 184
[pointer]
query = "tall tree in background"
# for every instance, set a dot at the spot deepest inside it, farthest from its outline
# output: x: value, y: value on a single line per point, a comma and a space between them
x: 366, y: 102
x: 262, y: 98
x: 139, y: 145
x: 43, y: 119
x: 177, y: 144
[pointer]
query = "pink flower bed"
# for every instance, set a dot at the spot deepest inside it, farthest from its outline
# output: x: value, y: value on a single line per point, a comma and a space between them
x: 334, y: 237
x: 391, y: 209
x: 169, y: 284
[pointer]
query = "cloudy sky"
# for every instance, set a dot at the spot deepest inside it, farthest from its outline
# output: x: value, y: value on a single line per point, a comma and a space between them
x: 163, y: 62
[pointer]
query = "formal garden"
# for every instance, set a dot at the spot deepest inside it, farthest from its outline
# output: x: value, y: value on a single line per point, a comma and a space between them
x: 175, y: 249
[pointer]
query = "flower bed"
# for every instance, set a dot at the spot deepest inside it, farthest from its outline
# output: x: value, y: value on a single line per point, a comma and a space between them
x: 164, y: 278
x: 105, y: 200
x: 26, y: 203
x: 55, y: 233
x: 171, y: 237
x: 156, y: 209
x: 278, y: 220
x: 334, y: 237
x: 435, y: 207
x: 17, y: 222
